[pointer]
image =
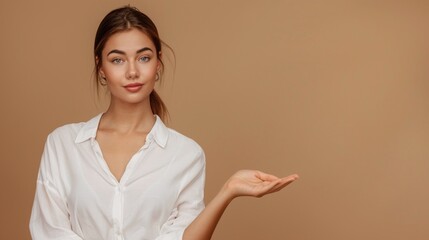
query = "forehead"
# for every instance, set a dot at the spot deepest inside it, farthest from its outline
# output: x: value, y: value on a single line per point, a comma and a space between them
x: 129, y: 40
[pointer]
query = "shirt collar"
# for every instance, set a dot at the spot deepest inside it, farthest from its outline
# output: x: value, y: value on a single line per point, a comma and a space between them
x: 88, y: 130
x: 159, y: 131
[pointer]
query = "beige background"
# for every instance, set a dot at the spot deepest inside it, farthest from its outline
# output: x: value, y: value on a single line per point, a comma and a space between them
x: 334, y: 90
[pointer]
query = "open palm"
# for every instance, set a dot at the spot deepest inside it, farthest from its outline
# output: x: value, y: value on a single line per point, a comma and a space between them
x: 256, y: 183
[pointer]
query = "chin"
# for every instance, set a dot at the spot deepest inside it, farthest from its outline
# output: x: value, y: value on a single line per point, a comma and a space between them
x: 131, y: 99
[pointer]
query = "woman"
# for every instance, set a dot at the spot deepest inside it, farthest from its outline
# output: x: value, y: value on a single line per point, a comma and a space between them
x: 124, y: 174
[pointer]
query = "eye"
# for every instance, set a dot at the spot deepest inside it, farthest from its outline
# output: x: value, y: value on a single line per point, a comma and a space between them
x: 117, y: 61
x: 144, y: 59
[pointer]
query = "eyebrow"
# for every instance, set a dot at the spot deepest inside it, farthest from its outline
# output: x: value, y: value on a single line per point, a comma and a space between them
x: 123, y: 53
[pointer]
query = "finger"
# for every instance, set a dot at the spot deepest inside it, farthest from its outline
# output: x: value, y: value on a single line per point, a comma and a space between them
x: 280, y: 187
x: 266, y: 188
x: 286, y: 180
x: 290, y: 178
x: 276, y: 189
x: 274, y: 185
x: 283, y: 183
x: 265, y: 176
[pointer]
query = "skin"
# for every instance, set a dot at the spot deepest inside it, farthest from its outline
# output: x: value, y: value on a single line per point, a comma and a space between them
x: 242, y: 183
x: 130, y: 57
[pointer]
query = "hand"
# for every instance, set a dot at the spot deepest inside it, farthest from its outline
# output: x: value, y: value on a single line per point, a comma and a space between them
x: 255, y: 183
x: 242, y: 183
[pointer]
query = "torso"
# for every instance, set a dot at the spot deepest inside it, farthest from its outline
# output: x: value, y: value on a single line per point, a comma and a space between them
x: 164, y: 179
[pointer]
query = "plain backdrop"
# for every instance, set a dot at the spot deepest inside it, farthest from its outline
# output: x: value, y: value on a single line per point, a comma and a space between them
x: 336, y: 91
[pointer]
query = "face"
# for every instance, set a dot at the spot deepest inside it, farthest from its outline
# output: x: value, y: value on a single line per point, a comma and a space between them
x: 130, y: 64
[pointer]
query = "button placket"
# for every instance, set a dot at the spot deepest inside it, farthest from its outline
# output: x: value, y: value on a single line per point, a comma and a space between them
x: 118, y: 211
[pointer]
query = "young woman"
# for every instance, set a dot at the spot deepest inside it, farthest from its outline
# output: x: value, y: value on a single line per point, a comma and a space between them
x: 124, y: 174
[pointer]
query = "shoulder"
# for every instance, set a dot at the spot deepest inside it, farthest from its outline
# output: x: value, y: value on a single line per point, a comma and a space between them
x: 76, y: 132
x: 65, y: 132
x: 187, y: 155
x: 186, y: 151
x: 178, y: 139
x: 58, y: 146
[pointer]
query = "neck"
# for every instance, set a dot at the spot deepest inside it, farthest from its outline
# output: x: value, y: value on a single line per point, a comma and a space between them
x: 126, y: 118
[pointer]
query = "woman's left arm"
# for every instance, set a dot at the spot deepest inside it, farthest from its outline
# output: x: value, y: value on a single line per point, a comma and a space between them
x: 243, y: 183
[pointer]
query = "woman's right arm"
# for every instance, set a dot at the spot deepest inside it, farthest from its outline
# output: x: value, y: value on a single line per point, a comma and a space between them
x: 49, y: 217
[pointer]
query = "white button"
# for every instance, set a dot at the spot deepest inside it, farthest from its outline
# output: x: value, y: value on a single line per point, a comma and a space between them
x: 118, y: 231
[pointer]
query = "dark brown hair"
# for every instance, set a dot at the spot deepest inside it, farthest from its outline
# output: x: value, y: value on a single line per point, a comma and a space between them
x: 123, y: 19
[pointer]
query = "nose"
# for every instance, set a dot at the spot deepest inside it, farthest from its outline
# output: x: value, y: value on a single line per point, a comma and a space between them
x: 132, y: 71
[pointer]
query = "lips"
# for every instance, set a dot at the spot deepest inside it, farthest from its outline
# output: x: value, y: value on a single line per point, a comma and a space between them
x: 133, y: 87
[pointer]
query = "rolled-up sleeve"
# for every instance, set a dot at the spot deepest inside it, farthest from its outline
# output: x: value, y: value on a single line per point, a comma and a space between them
x: 190, y: 201
x: 49, y: 217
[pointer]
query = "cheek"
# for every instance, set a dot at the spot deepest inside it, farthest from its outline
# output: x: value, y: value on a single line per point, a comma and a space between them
x: 149, y: 71
x: 110, y: 71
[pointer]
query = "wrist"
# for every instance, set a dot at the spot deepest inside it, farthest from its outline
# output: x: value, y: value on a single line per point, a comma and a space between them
x: 226, y: 193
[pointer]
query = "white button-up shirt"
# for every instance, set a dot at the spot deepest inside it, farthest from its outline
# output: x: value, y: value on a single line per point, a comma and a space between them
x: 77, y: 197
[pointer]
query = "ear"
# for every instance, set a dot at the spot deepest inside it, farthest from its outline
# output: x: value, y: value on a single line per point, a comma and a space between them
x: 102, y: 73
x: 100, y: 70
x: 97, y: 60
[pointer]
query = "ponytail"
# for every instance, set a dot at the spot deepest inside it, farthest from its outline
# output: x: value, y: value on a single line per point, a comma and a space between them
x: 158, y: 106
